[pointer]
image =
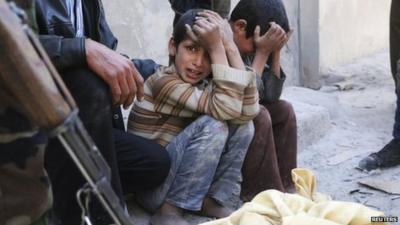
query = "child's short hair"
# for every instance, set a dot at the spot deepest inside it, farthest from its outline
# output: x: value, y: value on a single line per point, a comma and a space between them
x: 179, y: 34
x: 260, y: 12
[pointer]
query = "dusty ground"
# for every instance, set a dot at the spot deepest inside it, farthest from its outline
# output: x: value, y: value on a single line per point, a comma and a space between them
x: 362, y: 123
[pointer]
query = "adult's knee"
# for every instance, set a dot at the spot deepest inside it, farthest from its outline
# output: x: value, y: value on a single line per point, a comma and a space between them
x: 86, y: 81
x: 91, y: 94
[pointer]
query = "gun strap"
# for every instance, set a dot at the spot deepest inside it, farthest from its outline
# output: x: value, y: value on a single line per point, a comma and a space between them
x: 83, y: 197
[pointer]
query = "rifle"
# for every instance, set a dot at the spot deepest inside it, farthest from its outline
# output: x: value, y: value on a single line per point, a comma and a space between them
x: 28, y: 77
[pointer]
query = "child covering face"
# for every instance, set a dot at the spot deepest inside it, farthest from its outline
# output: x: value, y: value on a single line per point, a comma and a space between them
x: 200, y: 107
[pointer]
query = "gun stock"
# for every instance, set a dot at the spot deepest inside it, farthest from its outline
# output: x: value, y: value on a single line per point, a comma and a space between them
x: 27, y: 76
x: 34, y: 86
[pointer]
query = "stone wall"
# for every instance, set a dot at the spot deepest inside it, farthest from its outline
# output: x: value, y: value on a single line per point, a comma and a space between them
x: 350, y: 29
x: 335, y: 32
x: 326, y: 33
x: 291, y: 53
x: 143, y: 28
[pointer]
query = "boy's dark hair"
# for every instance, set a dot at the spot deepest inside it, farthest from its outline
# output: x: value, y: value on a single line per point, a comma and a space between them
x: 179, y: 33
x: 260, y: 12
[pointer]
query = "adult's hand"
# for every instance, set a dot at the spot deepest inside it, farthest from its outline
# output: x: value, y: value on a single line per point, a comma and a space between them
x: 118, y: 72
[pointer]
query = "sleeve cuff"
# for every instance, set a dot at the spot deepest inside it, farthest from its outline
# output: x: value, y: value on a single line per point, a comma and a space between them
x: 73, y: 52
x: 269, y: 72
x: 222, y: 72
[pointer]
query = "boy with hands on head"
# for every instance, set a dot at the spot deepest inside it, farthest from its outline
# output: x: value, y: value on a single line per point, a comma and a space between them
x: 260, y: 29
x: 200, y: 107
x: 269, y: 45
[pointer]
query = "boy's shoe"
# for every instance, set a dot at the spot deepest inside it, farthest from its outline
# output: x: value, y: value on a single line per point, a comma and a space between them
x: 389, y: 156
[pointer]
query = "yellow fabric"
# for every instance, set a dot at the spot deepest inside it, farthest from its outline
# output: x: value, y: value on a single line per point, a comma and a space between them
x: 307, y: 207
x: 306, y: 183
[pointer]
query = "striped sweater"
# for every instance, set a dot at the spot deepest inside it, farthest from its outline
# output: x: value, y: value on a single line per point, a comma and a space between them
x: 170, y: 104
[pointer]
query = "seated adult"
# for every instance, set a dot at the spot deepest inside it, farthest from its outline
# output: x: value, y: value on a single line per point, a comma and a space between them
x: 81, y: 45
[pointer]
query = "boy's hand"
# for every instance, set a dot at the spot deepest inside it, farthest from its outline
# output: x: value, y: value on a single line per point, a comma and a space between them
x: 274, y: 39
x: 276, y: 55
x: 118, y: 72
x: 224, y: 27
x: 208, y: 33
x: 284, y: 42
x: 226, y: 34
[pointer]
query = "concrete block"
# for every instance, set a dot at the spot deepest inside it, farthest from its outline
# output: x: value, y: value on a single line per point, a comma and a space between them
x: 313, y: 122
x: 314, y: 98
x: 314, y: 111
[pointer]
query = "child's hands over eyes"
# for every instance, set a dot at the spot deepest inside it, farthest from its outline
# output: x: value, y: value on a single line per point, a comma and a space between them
x: 274, y: 39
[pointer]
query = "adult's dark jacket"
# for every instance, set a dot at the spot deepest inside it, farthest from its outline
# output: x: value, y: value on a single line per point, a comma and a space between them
x: 67, y: 52
x: 57, y: 35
